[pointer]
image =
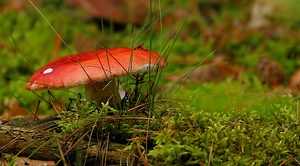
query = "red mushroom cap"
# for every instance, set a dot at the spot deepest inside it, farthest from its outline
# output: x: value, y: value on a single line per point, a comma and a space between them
x: 96, y: 66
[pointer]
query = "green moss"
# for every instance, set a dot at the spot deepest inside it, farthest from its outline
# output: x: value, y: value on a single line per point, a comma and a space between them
x: 229, y: 138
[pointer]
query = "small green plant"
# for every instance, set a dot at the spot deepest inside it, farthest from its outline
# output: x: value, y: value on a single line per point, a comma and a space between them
x: 11, y: 160
x: 82, y: 112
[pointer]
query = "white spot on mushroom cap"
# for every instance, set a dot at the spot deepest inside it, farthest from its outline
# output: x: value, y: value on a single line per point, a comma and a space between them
x: 47, y: 71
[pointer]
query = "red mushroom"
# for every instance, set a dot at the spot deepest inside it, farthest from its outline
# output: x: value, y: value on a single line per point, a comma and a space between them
x: 96, y: 70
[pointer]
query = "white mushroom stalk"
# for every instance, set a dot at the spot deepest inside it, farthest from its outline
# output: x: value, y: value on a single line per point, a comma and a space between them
x: 103, y: 91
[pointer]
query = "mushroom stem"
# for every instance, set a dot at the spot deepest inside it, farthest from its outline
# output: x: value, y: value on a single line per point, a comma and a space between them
x: 103, y: 92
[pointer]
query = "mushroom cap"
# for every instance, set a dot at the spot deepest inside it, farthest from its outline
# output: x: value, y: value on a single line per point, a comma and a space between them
x: 95, y: 66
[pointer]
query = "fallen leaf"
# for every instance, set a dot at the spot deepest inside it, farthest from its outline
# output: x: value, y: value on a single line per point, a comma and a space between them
x: 12, y: 109
x: 120, y: 11
x: 295, y: 80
